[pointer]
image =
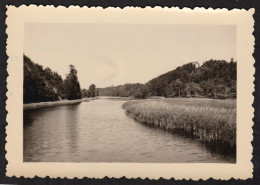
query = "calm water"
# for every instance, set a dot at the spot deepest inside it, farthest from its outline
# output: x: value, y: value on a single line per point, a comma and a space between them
x: 99, y: 131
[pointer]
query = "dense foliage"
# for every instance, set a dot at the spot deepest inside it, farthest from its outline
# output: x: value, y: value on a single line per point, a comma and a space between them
x: 214, y: 77
x: 42, y: 85
x: 125, y: 90
x: 91, y: 92
x: 71, y: 85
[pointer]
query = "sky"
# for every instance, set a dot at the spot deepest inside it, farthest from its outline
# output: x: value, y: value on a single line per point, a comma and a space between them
x: 114, y: 54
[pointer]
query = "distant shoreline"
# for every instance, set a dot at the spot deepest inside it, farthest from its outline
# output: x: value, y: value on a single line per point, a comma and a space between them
x: 28, y: 106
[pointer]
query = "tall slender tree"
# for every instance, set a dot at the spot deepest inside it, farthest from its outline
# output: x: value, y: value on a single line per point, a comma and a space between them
x: 71, y: 85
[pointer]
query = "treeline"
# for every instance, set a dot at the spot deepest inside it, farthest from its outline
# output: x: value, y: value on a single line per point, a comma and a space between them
x: 42, y: 85
x: 90, y: 92
x: 121, y: 90
x: 213, y: 78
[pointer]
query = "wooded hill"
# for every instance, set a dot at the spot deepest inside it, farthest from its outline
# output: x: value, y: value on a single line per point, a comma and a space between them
x: 42, y: 85
x: 213, y: 78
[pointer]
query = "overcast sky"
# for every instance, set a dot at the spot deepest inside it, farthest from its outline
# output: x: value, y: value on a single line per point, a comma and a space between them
x: 114, y: 54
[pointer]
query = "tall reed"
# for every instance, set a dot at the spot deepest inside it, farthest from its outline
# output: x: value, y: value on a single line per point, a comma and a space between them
x: 205, y: 119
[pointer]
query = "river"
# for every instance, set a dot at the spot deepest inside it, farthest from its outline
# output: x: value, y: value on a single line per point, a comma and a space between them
x: 99, y: 131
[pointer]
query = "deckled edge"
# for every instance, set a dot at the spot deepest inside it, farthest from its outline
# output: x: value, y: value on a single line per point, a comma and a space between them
x: 119, y: 8
x: 135, y: 7
x: 3, y: 92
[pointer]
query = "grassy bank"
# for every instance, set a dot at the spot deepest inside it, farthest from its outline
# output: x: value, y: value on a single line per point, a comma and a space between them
x: 50, y: 104
x: 205, y: 119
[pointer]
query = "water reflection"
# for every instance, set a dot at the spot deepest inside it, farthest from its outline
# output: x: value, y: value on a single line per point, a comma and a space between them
x: 214, y: 149
x: 71, y: 120
x: 99, y: 131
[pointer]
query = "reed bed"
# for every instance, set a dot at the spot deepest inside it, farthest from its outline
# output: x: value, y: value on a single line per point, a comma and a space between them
x: 205, y: 119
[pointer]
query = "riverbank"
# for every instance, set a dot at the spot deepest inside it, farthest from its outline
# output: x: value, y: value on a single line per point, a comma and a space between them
x: 50, y: 104
x: 208, y: 120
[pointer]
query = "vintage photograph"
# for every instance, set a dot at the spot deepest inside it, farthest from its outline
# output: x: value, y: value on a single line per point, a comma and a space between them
x: 134, y: 92
x: 130, y: 93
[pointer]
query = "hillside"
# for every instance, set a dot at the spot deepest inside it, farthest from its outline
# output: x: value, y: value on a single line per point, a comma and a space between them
x: 40, y: 85
x: 214, y: 77
x: 43, y: 85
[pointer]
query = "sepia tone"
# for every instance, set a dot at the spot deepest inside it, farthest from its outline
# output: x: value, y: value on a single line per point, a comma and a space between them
x: 183, y: 109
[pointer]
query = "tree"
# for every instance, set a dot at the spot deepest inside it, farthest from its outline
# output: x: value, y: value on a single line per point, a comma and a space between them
x: 84, y: 93
x: 71, y: 85
x: 208, y: 87
x: 175, y: 88
x: 192, y: 88
x: 91, y: 89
